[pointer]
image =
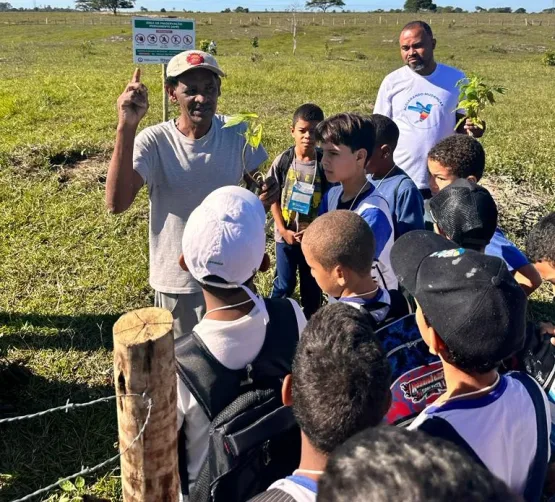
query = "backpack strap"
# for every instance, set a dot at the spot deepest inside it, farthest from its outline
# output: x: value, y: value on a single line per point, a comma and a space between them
x: 287, y: 159
x: 275, y: 359
x: 283, y: 165
x: 441, y: 428
x: 366, y: 310
x: 538, y: 470
x: 273, y: 495
x: 200, y: 371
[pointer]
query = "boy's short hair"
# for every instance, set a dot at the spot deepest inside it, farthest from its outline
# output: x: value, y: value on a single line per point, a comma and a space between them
x: 340, y: 377
x: 465, y: 213
x: 386, y: 463
x: 470, y: 299
x: 341, y: 238
x: 309, y: 112
x: 349, y: 129
x: 387, y: 132
x: 461, y: 154
x: 540, y: 245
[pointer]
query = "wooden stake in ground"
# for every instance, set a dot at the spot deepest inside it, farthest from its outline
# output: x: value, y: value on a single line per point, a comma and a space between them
x: 144, y: 363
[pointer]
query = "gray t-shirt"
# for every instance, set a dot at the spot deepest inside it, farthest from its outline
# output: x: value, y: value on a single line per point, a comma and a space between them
x: 180, y: 172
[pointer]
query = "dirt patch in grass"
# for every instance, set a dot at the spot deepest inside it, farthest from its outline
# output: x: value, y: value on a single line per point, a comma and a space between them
x: 519, y: 205
x: 89, y: 171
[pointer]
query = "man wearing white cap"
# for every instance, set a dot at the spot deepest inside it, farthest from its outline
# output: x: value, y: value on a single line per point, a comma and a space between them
x: 181, y: 161
x: 224, y: 246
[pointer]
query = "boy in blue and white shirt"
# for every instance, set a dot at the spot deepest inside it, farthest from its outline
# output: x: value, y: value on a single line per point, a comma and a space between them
x: 336, y: 352
x: 472, y: 313
x: 402, y: 195
x: 347, y: 142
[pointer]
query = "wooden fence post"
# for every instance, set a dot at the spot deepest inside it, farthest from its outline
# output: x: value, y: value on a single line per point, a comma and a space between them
x: 144, y: 363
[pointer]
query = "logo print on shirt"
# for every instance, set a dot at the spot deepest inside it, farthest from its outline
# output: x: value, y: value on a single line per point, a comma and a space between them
x: 424, y: 111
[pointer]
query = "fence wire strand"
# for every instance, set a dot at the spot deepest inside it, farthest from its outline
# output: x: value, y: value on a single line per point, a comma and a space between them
x: 88, y: 470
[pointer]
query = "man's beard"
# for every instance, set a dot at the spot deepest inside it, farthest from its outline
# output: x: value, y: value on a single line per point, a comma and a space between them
x: 416, y: 65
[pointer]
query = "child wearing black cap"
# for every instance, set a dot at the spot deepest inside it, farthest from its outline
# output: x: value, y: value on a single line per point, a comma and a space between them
x: 465, y: 213
x: 461, y: 156
x: 472, y: 313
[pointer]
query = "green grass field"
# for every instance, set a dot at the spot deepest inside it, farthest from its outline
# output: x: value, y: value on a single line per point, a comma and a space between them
x: 68, y: 269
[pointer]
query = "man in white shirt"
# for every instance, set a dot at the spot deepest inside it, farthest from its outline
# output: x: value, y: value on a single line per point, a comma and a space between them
x: 181, y: 161
x: 421, y: 98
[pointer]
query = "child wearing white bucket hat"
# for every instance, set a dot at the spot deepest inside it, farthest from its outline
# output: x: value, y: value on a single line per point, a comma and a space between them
x: 223, y: 248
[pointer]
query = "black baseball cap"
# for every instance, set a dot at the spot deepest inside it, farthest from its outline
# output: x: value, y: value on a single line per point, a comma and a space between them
x: 465, y: 213
x: 471, y: 299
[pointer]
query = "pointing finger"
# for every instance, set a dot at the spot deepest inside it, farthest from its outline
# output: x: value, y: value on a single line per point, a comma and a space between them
x: 136, y: 76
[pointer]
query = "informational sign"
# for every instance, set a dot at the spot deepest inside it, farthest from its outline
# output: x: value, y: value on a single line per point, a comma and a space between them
x: 157, y: 40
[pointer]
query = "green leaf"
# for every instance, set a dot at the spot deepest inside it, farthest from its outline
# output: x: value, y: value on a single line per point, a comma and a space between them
x: 255, y: 137
x: 79, y: 482
x: 248, y: 115
x: 64, y: 498
x: 234, y: 120
x: 67, y: 486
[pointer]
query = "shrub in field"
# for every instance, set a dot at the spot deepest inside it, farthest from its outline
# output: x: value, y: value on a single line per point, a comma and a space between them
x: 87, y: 48
x: 254, y: 42
x: 548, y: 58
x: 203, y: 44
x: 475, y: 95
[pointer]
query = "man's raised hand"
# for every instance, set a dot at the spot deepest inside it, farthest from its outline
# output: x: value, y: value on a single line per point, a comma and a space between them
x: 133, y: 102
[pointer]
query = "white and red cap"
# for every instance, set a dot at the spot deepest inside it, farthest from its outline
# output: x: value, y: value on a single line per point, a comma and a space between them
x: 191, y: 60
x: 225, y: 237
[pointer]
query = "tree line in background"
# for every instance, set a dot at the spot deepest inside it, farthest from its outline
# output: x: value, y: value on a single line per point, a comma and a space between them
x: 321, y: 5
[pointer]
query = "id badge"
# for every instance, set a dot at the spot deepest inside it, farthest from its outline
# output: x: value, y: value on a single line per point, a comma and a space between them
x: 301, y: 197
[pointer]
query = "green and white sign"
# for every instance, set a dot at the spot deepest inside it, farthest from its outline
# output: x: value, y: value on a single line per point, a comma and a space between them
x: 156, y: 39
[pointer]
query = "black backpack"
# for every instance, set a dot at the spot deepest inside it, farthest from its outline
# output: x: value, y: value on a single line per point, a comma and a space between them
x: 254, y: 439
x: 287, y: 159
x: 399, y: 307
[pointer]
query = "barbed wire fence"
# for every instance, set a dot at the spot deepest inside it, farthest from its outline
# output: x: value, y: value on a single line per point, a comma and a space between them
x: 74, y: 406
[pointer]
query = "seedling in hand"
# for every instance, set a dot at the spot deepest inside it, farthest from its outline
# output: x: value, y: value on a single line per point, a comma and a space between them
x: 253, y: 137
x: 475, y: 95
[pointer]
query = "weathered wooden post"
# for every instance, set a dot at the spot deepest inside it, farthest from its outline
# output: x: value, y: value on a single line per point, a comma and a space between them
x: 144, y: 363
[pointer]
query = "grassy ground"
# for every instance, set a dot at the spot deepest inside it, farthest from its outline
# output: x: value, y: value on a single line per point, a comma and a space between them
x: 68, y: 269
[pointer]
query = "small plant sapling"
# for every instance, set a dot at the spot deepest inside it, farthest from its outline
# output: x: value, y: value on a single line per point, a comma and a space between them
x: 253, y: 137
x: 475, y: 95
x: 548, y: 58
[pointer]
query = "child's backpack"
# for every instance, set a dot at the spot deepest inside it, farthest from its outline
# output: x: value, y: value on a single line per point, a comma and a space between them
x: 254, y: 439
x: 398, y: 308
x: 286, y: 160
x: 417, y: 375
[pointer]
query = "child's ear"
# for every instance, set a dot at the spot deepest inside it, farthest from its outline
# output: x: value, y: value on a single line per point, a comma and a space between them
x: 265, y: 265
x: 437, y: 345
x: 386, y: 151
x: 360, y: 156
x: 339, y: 274
x: 472, y: 179
x: 292, y: 131
x: 182, y: 263
x: 286, y: 393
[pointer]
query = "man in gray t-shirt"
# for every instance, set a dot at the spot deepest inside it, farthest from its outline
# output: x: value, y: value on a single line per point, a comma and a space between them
x: 181, y: 161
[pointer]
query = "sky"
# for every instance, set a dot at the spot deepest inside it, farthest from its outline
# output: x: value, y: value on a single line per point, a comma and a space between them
x: 261, y: 5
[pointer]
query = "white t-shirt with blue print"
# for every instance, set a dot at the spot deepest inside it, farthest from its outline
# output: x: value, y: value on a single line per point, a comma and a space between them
x: 373, y: 208
x: 499, y: 427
